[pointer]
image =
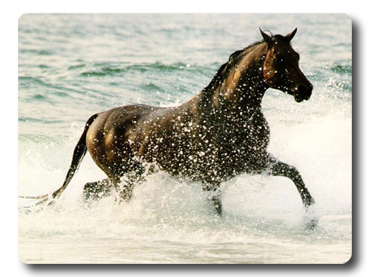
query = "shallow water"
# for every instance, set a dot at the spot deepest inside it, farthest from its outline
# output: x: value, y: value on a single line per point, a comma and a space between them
x: 72, y: 66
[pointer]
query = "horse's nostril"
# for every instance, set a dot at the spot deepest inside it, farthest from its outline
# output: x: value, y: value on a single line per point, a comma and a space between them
x: 302, y: 89
x: 305, y: 91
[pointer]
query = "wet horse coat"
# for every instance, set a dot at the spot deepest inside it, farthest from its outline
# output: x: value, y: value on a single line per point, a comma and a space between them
x: 218, y: 134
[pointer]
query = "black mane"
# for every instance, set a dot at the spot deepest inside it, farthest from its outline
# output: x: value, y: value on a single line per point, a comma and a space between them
x: 225, y: 68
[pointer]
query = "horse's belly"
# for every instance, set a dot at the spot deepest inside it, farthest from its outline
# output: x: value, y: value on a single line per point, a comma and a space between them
x: 201, y: 156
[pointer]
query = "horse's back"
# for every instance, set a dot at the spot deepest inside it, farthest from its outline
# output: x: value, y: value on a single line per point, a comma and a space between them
x: 120, y: 117
x: 107, y: 137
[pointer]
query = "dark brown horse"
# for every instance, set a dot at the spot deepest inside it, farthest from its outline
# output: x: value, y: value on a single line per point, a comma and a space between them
x: 217, y: 135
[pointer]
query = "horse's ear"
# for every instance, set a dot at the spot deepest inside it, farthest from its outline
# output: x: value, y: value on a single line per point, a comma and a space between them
x: 266, y: 38
x: 290, y: 36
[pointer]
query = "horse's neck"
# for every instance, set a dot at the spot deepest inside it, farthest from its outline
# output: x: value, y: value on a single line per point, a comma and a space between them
x: 242, y: 88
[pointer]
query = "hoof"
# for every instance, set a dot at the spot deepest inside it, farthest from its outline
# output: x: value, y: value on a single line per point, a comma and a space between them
x: 310, y: 219
x: 311, y: 223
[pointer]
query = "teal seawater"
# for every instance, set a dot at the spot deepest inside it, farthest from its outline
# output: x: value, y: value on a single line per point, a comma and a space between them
x: 103, y: 61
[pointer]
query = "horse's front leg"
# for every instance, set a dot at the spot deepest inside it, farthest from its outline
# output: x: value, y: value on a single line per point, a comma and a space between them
x: 277, y: 168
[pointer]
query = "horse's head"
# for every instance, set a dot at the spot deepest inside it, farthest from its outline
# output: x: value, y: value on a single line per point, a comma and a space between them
x: 281, y: 70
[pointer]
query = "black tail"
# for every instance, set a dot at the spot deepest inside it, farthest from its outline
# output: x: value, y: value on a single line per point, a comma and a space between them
x: 78, y: 155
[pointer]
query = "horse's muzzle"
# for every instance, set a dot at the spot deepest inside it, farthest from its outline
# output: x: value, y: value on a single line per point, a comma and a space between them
x: 303, y: 92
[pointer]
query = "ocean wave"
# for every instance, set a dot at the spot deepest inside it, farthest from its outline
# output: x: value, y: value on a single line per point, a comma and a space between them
x: 38, y: 120
x: 342, y: 69
x: 114, y: 69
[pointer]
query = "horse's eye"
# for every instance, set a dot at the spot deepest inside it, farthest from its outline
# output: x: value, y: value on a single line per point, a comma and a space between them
x: 279, y: 59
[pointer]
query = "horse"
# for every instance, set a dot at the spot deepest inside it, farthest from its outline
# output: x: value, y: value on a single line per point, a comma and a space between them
x: 218, y: 134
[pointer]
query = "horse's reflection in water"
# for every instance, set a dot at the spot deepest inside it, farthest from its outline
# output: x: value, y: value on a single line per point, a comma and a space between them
x: 218, y: 134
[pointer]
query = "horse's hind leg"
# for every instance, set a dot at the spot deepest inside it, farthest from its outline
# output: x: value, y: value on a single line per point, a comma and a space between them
x: 95, y: 191
x: 124, y: 190
x: 125, y: 184
x: 123, y: 187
